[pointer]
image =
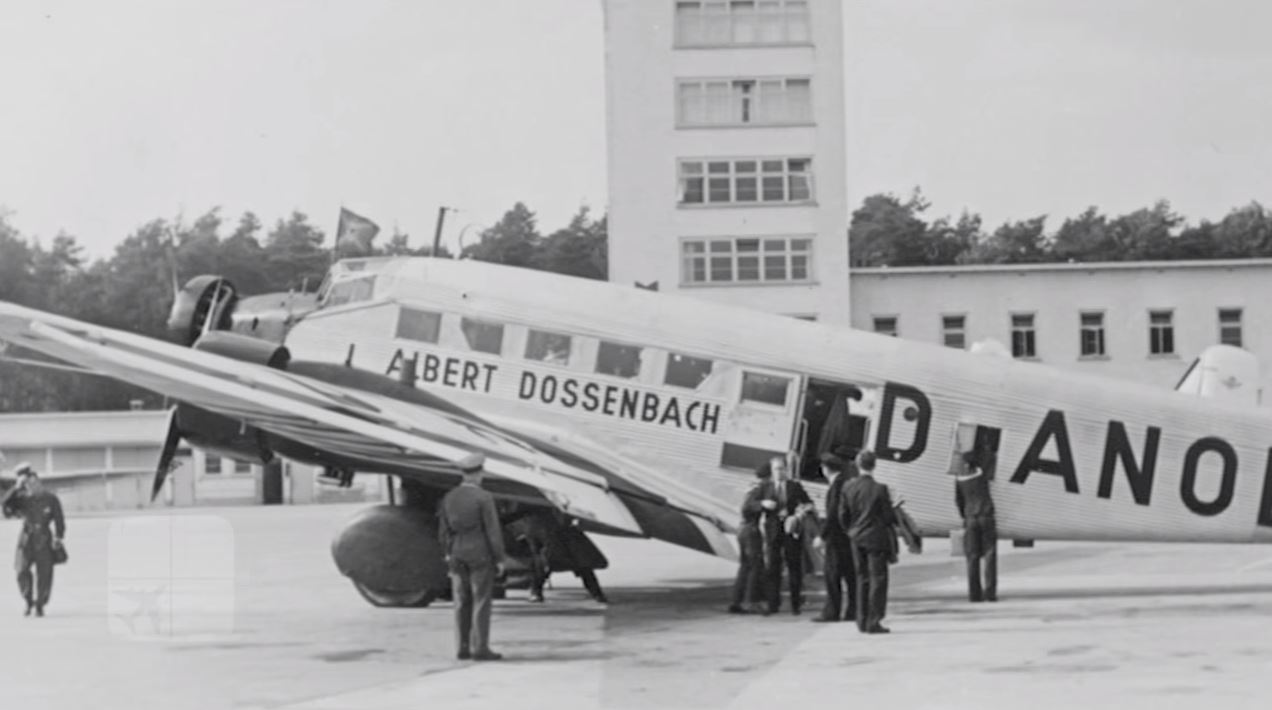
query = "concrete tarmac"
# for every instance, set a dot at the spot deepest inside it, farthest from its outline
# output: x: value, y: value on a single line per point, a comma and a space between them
x: 246, y: 610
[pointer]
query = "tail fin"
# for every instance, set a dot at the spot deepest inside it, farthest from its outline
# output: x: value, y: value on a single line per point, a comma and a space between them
x: 1225, y: 373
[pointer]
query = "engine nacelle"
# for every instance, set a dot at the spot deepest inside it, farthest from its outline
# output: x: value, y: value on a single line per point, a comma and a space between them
x: 206, y: 303
x: 392, y: 554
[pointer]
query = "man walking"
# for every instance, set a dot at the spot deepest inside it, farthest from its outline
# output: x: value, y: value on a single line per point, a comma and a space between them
x: 839, y: 575
x: 980, y: 529
x: 40, y: 510
x: 472, y: 539
x: 866, y: 513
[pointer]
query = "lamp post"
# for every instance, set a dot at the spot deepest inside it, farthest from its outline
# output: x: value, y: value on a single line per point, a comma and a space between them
x: 437, y: 234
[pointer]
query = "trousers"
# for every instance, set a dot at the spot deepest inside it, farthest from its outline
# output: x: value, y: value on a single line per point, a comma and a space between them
x: 472, y: 585
x: 788, y: 552
x: 872, y: 585
x: 35, y: 590
x: 841, y: 581
x: 980, y: 541
x: 750, y: 567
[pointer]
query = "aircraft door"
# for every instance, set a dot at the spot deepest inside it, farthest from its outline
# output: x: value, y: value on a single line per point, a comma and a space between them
x: 761, y: 421
x: 835, y: 415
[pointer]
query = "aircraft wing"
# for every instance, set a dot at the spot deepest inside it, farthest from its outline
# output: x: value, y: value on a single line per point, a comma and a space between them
x: 358, y: 425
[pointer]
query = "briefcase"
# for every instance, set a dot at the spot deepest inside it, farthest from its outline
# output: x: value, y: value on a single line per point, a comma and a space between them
x: 59, y: 553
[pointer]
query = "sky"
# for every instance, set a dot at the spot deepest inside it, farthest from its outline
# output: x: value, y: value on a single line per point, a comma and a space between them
x: 116, y: 113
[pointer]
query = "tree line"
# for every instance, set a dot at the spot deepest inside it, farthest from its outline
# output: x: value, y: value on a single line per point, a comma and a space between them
x: 887, y: 230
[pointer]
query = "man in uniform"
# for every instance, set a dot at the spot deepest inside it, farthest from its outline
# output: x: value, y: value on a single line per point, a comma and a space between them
x: 865, y: 511
x: 39, y: 509
x: 838, y: 574
x: 784, y: 542
x: 980, y: 529
x: 472, y: 539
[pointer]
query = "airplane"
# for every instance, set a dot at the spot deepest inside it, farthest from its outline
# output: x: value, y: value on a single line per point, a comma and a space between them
x: 622, y: 411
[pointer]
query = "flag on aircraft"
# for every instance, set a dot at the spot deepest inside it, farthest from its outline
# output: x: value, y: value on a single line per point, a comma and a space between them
x: 354, y: 234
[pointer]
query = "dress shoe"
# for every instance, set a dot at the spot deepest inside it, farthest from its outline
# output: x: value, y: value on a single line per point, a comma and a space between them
x: 822, y: 620
x: 735, y: 609
x: 991, y: 597
x: 536, y: 598
x: 464, y: 654
x: 39, y: 610
x: 487, y: 655
x: 796, y: 610
x: 879, y: 629
x: 28, y: 610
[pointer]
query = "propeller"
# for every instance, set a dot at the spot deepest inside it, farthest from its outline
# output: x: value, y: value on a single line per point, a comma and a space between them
x: 169, y: 453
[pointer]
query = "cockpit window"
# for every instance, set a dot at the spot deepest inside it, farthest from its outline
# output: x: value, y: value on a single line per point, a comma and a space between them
x: 685, y: 371
x: 552, y: 348
x: 350, y: 291
x: 618, y: 360
x: 423, y: 326
x: 482, y: 336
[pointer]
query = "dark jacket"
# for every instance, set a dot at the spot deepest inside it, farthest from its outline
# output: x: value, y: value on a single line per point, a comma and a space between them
x: 972, y: 497
x: 468, y: 526
x: 39, y: 512
x: 865, y: 511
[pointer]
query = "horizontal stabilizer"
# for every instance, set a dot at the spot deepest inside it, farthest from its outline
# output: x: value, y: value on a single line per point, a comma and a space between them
x: 1224, y: 373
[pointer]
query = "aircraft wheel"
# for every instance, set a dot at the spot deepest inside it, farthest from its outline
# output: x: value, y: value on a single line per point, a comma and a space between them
x: 420, y: 598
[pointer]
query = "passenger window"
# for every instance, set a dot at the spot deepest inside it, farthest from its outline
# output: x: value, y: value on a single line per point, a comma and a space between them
x: 685, y: 371
x: 351, y: 291
x: 552, y: 348
x: 618, y: 360
x: 482, y: 336
x: 768, y: 389
x: 418, y: 325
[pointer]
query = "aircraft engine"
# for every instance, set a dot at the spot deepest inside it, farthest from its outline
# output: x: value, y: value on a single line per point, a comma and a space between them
x: 392, y: 555
x: 206, y: 304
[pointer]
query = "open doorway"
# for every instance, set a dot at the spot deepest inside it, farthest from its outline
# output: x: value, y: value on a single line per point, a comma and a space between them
x: 836, y: 415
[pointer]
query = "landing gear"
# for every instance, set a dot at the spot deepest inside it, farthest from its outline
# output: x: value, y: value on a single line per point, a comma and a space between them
x: 417, y: 599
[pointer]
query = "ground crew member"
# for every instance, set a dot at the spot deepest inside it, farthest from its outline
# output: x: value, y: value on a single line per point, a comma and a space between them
x: 533, y: 531
x: 838, y: 568
x: 783, y: 537
x: 38, y: 546
x: 980, y: 529
x: 748, y: 585
x: 865, y: 511
x: 472, y: 538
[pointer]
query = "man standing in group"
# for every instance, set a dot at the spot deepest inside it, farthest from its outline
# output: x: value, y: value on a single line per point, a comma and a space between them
x: 980, y: 529
x: 839, y: 575
x: 866, y: 513
x: 472, y: 539
x: 750, y: 577
x: 40, y: 510
x: 783, y: 537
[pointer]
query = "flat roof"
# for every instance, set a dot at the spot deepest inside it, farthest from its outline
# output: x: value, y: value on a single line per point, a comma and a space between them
x: 1065, y: 266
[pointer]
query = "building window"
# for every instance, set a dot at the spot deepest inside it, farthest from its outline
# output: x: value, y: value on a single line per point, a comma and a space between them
x: 1023, y: 337
x: 1230, y: 326
x: 746, y: 181
x: 418, y: 325
x: 212, y: 465
x: 743, y: 102
x: 1161, y: 333
x: 954, y: 331
x: 1092, y: 335
x: 885, y: 325
x: 730, y: 22
x: 618, y: 360
x: 482, y: 336
x: 766, y: 389
x: 242, y: 467
x: 685, y: 371
x: 552, y: 348
x: 747, y: 260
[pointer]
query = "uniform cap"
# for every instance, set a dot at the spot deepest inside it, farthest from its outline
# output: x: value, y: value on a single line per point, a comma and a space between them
x: 24, y: 469
x: 472, y: 463
x: 831, y: 460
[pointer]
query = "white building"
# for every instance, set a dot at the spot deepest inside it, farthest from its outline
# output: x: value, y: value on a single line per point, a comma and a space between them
x: 1141, y: 321
x: 107, y: 460
x: 726, y: 148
